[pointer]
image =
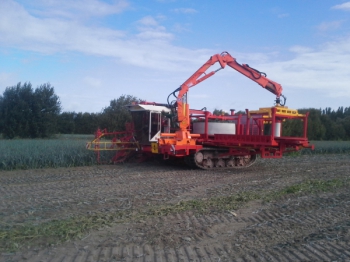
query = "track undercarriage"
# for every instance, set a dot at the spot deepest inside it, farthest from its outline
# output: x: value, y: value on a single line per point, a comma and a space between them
x: 211, y: 158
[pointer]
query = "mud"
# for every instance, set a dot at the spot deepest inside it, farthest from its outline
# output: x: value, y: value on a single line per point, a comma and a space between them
x: 303, y: 227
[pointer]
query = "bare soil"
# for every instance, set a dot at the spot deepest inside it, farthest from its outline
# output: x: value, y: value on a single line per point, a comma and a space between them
x: 295, y: 227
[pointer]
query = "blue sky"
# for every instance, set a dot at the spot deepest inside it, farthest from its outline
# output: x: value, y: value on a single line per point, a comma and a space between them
x: 93, y: 51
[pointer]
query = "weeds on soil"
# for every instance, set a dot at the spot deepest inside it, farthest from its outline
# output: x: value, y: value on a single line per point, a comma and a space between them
x: 308, y: 187
x: 58, y: 231
x: 204, y: 205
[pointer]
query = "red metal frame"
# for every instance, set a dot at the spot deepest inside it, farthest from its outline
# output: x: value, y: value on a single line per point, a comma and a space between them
x: 249, y: 137
x: 122, y: 142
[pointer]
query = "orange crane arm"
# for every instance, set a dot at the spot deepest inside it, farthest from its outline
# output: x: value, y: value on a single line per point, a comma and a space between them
x: 200, y: 75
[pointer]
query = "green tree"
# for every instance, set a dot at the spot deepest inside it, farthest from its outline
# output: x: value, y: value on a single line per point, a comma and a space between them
x: 219, y: 112
x: 334, y: 129
x: 46, y: 109
x: 117, y: 114
x: 292, y: 127
x: 346, y: 125
x: 338, y: 131
x: 66, y: 123
x: 86, y: 123
x: 28, y: 113
x: 346, y: 112
x: 15, y: 111
x: 315, y: 127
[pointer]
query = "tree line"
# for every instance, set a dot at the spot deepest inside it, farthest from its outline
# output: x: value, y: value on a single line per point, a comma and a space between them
x: 26, y: 112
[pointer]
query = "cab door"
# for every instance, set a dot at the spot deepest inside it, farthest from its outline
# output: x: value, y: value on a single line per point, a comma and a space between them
x: 155, y: 126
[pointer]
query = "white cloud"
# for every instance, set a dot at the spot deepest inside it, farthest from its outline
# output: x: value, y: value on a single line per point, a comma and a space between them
x: 148, y: 21
x: 150, y: 48
x: 252, y: 57
x: 179, y: 28
x: 333, y: 25
x: 300, y: 49
x: 93, y: 82
x: 280, y: 13
x: 326, y: 69
x: 344, y: 6
x: 76, y: 8
x: 283, y: 15
x: 155, y: 34
x: 6, y: 79
x: 200, y: 96
x: 150, y: 29
x: 185, y: 10
x: 166, y: 1
x: 18, y: 28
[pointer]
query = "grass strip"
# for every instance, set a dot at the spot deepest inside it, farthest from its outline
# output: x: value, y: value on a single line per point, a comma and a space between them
x: 58, y: 231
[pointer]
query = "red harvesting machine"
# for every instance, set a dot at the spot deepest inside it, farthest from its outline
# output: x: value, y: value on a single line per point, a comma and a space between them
x: 202, y: 139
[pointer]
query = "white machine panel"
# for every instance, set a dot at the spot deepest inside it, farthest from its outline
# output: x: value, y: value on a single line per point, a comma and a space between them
x: 214, y: 128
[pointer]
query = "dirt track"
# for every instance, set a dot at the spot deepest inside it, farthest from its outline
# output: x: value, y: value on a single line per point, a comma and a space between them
x: 303, y: 227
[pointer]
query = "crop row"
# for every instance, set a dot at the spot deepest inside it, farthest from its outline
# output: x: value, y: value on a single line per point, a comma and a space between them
x: 69, y: 151
x: 43, y: 153
x: 328, y: 147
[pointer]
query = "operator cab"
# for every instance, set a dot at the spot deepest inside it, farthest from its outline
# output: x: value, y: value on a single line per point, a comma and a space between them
x: 149, y: 122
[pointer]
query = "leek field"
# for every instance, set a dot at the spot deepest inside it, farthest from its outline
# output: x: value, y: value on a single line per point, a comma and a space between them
x: 328, y: 147
x: 62, y: 151
x: 70, y: 151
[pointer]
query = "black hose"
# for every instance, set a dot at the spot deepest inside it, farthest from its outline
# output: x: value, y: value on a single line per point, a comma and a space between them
x: 278, y: 100
x: 173, y: 93
x: 284, y: 100
x: 260, y: 73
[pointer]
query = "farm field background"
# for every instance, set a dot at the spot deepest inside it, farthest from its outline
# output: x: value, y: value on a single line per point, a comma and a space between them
x: 70, y: 151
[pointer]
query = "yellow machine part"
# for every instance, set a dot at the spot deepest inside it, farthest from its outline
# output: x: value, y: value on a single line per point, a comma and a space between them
x: 111, y: 146
x: 154, y: 148
x: 280, y: 111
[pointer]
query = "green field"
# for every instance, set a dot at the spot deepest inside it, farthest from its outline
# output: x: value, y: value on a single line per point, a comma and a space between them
x: 62, y: 151
x: 328, y: 147
x: 69, y: 151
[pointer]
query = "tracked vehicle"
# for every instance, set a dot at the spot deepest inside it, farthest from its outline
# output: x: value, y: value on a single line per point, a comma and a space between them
x: 200, y: 138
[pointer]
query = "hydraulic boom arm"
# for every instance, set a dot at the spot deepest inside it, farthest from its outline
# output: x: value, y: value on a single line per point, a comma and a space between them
x: 200, y: 75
